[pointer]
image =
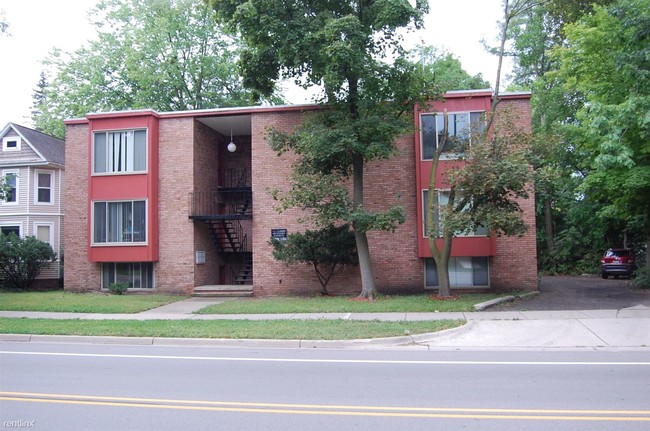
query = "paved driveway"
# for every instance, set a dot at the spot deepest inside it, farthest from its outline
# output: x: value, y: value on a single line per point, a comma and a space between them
x: 581, y: 293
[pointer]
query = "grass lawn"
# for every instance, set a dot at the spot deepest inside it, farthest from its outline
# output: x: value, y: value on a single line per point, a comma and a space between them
x: 347, y: 304
x: 95, y: 302
x: 234, y: 329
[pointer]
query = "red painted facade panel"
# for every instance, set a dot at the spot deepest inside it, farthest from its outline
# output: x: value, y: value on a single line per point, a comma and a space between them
x: 122, y: 187
x: 461, y: 246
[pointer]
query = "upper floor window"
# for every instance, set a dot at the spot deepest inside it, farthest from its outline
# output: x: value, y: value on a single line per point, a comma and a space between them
x: 464, y: 128
x: 119, y: 222
x: 11, y: 183
x: 11, y: 143
x: 441, y: 199
x: 120, y: 152
x: 43, y: 185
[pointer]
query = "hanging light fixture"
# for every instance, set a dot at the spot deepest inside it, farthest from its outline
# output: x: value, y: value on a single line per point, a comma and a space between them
x: 231, y: 146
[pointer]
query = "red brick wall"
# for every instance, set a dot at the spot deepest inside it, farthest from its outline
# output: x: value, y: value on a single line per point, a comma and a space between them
x: 79, y: 273
x: 515, y: 263
x: 205, y: 178
x: 394, y: 255
x: 175, y: 269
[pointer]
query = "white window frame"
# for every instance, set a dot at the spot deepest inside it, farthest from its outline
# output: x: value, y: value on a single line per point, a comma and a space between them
x: 7, y: 139
x: 425, y: 192
x: 16, y: 173
x: 114, y: 268
x: 454, y: 261
x: 50, y: 225
x: 126, y: 149
x: 11, y: 223
x: 108, y: 243
x: 38, y: 172
x: 446, y: 155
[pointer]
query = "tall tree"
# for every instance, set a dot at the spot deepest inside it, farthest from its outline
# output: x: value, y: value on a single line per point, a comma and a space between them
x: 557, y: 165
x: 483, y: 188
x: 491, y: 176
x: 607, y: 60
x: 164, y: 55
x: 345, y: 47
x: 445, y: 71
x: 39, y: 97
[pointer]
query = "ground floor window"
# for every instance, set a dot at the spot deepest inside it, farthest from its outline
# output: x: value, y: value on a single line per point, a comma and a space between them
x: 138, y: 275
x: 9, y: 229
x: 463, y: 272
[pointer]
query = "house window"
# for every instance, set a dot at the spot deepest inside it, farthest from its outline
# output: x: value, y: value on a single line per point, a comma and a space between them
x: 43, y: 186
x: 138, y: 275
x: 11, y: 143
x: 120, y: 152
x: 9, y: 229
x: 43, y: 232
x: 463, y: 272
x: 441, y: 198
x: 119, y: 222
x: 11, y: 182
x: 464, y: 128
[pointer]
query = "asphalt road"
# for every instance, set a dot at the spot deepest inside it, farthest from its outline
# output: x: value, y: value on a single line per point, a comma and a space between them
x: 102, y: 387
x: 581, y: 293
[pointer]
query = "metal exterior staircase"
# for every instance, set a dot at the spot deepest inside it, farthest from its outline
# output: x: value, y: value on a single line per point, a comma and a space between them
x: 223, y: 210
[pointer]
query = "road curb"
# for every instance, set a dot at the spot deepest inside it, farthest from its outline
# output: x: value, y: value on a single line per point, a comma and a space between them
x: 400, y: 341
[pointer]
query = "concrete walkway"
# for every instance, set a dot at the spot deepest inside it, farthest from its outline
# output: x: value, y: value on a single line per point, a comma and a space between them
x: 595, y: 329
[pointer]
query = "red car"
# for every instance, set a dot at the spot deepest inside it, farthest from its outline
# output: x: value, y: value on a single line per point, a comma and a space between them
x: 617, y: 261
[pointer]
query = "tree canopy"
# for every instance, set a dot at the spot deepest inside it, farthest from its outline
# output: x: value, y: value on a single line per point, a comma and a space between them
x: 170, y: 55
x: 607, y: 61
x: 351, y: 50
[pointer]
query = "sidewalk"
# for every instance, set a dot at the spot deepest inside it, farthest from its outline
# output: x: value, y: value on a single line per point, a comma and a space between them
x: 624, y: 328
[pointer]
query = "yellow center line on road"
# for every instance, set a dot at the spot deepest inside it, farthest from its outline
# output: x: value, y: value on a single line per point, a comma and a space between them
x: 338, y: 410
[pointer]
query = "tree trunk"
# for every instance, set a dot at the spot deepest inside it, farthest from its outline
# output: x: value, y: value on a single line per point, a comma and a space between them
x: 443, y: 275
x: 368, y: 286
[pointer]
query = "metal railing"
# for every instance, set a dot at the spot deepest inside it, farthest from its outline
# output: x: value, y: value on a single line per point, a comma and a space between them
x: 215, y: 202
x: 234, y: 178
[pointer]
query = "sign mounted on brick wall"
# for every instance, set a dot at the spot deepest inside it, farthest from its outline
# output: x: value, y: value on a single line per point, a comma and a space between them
x: 279, y: 234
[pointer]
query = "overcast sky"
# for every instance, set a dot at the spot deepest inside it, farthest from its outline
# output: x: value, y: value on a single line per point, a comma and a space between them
x: 37, y: 26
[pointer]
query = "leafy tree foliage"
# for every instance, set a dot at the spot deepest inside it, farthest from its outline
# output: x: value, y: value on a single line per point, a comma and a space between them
x: 328, y: 250
x: 345, y: 48
x: 569, y: 232
x: 164, y: 55
x: 23, y: 259
x: 445, y: 71
x: 607, y: 60
x: 484, y: 190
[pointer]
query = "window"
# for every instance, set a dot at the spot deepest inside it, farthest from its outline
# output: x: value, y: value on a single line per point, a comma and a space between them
x: 11, y: 181
x: 120, y: 152
x: 43, y: 232
x: 441, y: 198
x: 463, y: 272
x: 11, y: 143
x: 138, y: 275
x: 119, y: 222
x: 464, y: 128
x: 43, y: 186
x: 9, y: 229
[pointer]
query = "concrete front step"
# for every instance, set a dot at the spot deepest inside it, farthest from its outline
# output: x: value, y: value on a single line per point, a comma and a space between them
x: 232, y: 290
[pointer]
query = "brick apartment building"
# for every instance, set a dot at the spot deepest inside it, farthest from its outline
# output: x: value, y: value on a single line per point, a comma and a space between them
x: 179, y: 202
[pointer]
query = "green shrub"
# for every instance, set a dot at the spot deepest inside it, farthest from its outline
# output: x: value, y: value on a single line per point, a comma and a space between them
x: 642, y: 278
x: 23, y: 259
x: 118, y: 288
